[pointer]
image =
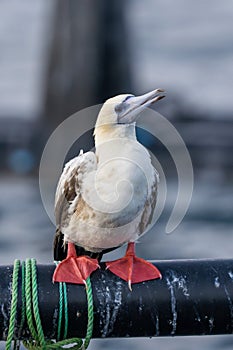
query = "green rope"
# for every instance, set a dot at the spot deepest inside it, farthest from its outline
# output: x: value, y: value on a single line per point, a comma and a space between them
x: 65, y: 310
x: 90, y: 313
x: 30, y: 312
x: 14, y: 300
x: 36, y: 305
x: 23, y: 311
x: 23, y: 307
x: 28, y: 297
x: 62, y: 343
x: 63, y: 305
x: 60, y: 310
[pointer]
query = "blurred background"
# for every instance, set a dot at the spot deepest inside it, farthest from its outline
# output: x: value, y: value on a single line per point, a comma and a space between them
x: 57, y: 57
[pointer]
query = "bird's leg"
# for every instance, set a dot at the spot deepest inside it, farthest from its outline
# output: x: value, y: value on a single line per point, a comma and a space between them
x: 133, y: 269
x: 74, y: 269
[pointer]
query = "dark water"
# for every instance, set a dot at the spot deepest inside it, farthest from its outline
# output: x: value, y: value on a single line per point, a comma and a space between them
x: 205, y: 232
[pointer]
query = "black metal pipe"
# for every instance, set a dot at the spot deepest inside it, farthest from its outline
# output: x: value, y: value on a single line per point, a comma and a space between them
x: 194, y: 297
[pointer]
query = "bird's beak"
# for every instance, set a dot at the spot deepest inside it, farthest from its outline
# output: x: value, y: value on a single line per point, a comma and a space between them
x: 130, y: 109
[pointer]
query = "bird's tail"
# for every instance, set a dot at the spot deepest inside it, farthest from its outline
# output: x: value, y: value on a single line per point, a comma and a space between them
x: 59, y: 246
x: 60, y: 249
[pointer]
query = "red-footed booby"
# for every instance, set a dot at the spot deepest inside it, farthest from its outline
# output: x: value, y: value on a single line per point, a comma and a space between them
x: 107, y: 198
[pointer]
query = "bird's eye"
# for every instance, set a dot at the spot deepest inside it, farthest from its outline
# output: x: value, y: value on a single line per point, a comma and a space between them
x: 119, y: 108
x: 127, y: 97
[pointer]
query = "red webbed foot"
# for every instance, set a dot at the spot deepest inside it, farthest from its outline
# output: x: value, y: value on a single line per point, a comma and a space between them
x: 74, y: 269
x: 133, y: 269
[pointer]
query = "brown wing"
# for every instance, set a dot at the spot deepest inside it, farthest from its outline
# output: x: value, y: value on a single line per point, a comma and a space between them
x: 68, y: 194
x: 68, y: 188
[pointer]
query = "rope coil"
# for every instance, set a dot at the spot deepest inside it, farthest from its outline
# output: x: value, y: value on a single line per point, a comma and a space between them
x: 31, y: 315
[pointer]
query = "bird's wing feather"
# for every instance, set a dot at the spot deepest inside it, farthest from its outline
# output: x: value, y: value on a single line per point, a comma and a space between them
x: 68, y: 188
x: 148, y: 212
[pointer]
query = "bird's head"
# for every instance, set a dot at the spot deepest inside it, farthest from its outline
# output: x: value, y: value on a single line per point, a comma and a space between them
x: 123, y: 110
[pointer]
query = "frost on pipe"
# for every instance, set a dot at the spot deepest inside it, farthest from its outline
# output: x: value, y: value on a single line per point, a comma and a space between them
x: 194, y: 297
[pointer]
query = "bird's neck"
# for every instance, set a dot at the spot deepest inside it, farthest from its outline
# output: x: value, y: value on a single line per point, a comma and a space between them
x: 108, y: 132
x: 110, y: 136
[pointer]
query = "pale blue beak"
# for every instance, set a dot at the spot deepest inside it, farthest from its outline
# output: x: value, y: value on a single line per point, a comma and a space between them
x: 129, y: 109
